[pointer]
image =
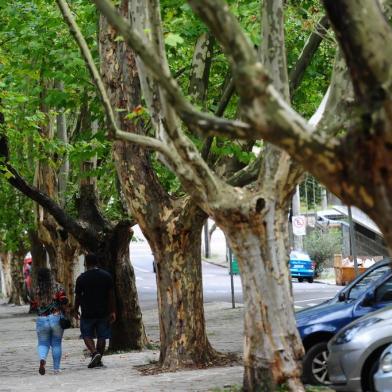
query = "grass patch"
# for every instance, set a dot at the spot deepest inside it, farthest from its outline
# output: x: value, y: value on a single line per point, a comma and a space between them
x: 153, y: 346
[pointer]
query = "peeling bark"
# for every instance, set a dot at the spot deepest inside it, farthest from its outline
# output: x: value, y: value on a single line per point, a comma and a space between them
x: 180, y: 291
x: 200, y: 71
x: 258, y: 236
x: 17, y: 294
x: 6, y: 265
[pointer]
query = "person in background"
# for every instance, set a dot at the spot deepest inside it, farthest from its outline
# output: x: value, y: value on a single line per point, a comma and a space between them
x: 94, y: 293
x: 51, y: 300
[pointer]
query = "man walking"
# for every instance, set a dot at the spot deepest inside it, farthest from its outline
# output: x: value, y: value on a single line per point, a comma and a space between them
x: 94, y: 293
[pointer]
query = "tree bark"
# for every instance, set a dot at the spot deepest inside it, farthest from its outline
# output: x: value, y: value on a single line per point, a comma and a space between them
x: 177, y: 250
x: 18, y: 293
x: 128, y: 331
x: 113, y: 247
x: 200, y: 71
x: 272, y: 347
x: 6, y: 265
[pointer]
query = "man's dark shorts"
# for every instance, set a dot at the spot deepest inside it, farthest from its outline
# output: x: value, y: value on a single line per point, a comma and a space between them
x: 95, y: 328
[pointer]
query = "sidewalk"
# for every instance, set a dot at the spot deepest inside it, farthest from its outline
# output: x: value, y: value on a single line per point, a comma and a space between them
x: 19, y: 363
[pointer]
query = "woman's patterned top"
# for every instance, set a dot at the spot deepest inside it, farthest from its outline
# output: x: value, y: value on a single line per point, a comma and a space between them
x: 52, y: 305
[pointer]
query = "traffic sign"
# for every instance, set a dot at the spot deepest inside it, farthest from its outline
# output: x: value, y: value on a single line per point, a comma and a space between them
x: 299, y: 225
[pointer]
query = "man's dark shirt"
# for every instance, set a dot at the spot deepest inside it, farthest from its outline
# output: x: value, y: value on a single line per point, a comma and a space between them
x: 93, y: 288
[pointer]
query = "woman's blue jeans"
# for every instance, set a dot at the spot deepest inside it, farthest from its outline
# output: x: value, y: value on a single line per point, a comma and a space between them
x: 50, y: 334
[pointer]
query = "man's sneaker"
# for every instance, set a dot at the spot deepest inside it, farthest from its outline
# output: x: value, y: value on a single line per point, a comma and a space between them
x: 100, y: 364
x: 95, y: 358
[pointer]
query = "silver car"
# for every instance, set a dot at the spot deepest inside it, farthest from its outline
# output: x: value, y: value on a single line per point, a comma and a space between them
x: 354, y: 352
x: 383, y: 378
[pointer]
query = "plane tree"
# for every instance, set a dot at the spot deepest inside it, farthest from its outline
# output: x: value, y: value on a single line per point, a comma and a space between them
x: 34, y: 154
x: 253, y: 217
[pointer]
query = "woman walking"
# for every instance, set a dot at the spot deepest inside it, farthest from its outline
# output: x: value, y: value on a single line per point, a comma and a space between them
x: 50, y: 297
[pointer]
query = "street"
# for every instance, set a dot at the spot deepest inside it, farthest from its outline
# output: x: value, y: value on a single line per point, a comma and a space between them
x: 216, y: 283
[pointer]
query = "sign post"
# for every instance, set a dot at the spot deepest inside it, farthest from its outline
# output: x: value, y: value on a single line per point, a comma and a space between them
x: 231, y: 278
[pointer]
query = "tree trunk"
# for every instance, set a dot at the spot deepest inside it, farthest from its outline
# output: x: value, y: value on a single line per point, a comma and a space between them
x: 6, y: 265
x: 166, y: 223
x: 272, y: 347
x: 62, y: 260
x: 113, y: 247
x: 38, y: 255
x: 128, y: 330
x: 177, y: 252
x: 18, y: 292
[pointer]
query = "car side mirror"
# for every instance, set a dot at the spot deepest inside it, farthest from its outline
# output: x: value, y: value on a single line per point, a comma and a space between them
x: 342, y: 296
x: 369, y: 299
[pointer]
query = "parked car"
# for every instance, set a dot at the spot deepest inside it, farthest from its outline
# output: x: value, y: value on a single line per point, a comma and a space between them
x: 354, y: 352
x: 301, y: 266
x: 383, y: 377
x: 317, y: 325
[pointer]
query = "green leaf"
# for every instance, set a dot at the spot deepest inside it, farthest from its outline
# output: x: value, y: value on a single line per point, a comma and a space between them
x: 173, y: 40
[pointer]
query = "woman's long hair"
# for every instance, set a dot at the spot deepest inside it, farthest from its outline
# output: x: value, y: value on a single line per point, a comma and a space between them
x: 45, y: 286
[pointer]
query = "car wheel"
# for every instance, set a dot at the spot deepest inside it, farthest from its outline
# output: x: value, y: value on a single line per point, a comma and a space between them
x: 310, y: 280
x: 315, y: 369
x: 300, y: 280
x: 369, y: 382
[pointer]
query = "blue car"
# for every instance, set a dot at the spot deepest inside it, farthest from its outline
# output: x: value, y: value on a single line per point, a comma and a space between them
x: 317, y: 325
x: 301, y: 266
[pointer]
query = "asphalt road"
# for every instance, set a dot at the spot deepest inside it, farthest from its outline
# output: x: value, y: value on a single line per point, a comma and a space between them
x: 216, y: 283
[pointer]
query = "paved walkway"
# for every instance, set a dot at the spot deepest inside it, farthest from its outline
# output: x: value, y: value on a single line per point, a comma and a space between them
x: 19, y: 363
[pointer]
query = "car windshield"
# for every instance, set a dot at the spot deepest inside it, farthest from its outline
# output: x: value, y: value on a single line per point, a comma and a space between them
x: 360, y: 287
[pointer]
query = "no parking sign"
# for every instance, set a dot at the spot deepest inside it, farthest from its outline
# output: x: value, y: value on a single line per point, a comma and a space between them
x: 299, y: 225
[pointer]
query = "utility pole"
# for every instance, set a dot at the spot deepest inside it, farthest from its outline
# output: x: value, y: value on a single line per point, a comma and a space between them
x: 207, y: 248
x: 352, y: 241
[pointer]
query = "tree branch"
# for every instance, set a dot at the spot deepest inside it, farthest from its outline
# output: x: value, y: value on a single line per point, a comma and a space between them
x: 200, y: 71
x: 226, y: 29
x: 267, y: 114
x: 248, y: 174
x: 273, y: 48
x: 338, y: 108
x: 82, y: 234
x: 365, y: 38
x: 227, y: 94
x: 195, y: 119
x: 85, y: 51
x: 308, y: 51
x: 206, y: 183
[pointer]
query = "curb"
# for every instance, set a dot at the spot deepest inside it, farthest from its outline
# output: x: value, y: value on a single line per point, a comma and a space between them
x: 215, y: 262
